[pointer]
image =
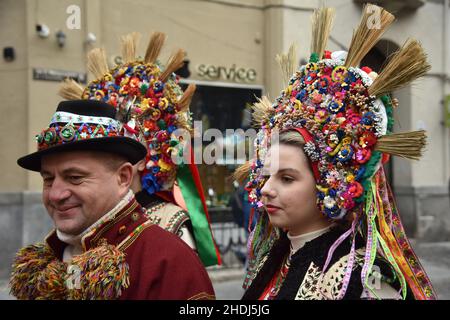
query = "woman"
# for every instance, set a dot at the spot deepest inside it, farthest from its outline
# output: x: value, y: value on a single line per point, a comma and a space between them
x: 328, y: 227
x: 289, y: 198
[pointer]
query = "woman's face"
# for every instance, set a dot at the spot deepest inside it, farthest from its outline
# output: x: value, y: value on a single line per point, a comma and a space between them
x: 289, y: 194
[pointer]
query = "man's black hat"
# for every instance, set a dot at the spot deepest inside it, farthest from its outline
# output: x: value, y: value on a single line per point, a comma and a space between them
x: 83, y: 125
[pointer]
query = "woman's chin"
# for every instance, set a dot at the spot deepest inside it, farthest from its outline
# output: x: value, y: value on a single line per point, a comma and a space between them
x: 277, y: 222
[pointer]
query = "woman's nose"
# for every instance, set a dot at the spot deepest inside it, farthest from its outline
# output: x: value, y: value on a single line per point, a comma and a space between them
x: 268, y: 189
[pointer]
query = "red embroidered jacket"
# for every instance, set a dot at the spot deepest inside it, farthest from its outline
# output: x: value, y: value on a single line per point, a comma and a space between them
x: 161, y: 266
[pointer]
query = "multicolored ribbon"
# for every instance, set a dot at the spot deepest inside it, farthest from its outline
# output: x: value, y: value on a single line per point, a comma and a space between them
x: 395, y: 238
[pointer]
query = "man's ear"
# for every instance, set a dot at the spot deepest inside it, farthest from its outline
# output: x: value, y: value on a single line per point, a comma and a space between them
x: 125, y: 175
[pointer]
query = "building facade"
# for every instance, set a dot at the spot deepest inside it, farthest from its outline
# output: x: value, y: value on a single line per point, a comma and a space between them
x: 230, y: 48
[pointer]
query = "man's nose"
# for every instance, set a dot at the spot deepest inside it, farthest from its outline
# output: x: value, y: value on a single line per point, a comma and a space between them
x: 59, y: 191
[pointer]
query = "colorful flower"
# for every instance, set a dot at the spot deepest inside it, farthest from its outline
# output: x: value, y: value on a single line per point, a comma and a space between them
x: 362, y: 155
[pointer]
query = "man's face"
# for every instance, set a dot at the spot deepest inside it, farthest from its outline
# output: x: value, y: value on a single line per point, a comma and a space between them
x: 79, y: 187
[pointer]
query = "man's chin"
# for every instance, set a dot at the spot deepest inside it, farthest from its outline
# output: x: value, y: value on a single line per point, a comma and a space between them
x: 69, y: 229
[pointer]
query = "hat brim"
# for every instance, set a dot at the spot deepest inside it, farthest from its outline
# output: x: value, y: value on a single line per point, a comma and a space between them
x: 130, y: 149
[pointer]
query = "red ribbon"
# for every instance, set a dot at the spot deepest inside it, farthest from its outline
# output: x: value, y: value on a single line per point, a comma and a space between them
x: 308, y: 138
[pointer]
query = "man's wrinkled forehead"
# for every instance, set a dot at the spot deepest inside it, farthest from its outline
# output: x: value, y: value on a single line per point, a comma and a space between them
x: 73, y: 160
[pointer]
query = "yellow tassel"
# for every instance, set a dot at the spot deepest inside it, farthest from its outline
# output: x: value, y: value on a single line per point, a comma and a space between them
x: 262, y: 110
x: 129, y: 45
x: 288, y: 63
x: 186, y: 99
x: 70, y: 90
x: 97, y: 63
x: 321, y: 21
x: 154, y: 47
x: 405, y: 66
x: 407, y: 145
x: 370, y: 29
x: 175, y: 62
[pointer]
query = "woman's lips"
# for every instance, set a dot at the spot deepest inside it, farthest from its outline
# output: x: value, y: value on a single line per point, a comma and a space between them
x: 271, y: 209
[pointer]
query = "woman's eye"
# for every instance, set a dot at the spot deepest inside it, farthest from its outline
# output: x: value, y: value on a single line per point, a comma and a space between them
x: 287, y: 179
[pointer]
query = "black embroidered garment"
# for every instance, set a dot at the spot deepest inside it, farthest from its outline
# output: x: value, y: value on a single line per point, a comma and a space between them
x: 147, y: 200
x: 165, y: 214
x: 305, y: 279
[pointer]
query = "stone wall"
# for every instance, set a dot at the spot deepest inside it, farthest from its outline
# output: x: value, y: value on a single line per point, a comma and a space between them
x: 23, y: 220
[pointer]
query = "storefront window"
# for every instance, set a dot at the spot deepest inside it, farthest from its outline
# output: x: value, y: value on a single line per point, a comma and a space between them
x: 224, y: 108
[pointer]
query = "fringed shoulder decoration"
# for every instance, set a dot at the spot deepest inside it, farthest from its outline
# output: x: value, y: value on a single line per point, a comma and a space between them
x: 98, y: 274
x: 37, y: 274
x: 368, y: 33
x: 105, y: 273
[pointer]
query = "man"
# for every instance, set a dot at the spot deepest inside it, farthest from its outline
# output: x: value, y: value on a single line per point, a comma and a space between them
x: 103, y: 246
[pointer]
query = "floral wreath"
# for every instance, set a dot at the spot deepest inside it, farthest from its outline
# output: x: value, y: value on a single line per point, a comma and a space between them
x: 149, y: 102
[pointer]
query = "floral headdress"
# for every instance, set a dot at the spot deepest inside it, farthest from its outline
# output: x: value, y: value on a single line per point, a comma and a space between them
x: 344, y: 114
x: 154, y: 110
x: 148, y: 100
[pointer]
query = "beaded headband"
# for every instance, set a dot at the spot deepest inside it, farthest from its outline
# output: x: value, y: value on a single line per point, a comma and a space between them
x: 68, y: 127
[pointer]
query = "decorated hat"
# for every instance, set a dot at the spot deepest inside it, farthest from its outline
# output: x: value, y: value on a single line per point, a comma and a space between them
x: 344, y: 112
x: 153, y: 108
x: 83, y: 125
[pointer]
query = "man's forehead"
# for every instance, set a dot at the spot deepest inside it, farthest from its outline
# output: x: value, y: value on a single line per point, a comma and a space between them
x: 73, y: 160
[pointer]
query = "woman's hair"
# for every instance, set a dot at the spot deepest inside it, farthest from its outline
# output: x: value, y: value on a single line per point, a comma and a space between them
x: 290, y: 138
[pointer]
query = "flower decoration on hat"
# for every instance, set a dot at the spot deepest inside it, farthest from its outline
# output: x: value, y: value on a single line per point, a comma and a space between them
x: 150, y: 103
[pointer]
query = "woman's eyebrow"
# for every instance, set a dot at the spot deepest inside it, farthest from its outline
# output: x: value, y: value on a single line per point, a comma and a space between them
x: 284, y: 170
x: 266, y: 172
